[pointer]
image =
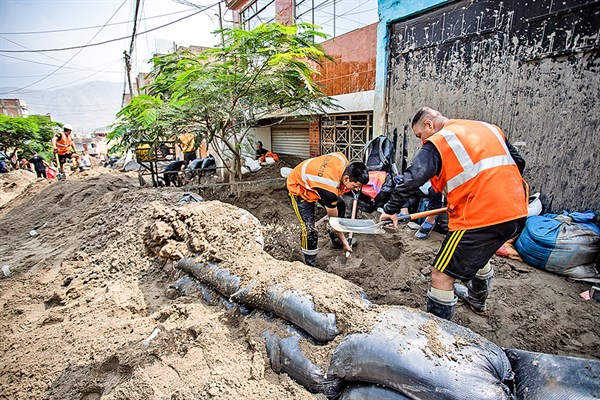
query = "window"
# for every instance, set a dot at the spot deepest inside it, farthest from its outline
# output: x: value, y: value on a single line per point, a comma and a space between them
x: 258, y: 13
x: 347, y: 133
x: 336, y: 17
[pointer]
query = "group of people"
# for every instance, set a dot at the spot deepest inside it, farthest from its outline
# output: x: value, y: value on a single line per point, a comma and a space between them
x: 471, y: 163
x: 65, y: 152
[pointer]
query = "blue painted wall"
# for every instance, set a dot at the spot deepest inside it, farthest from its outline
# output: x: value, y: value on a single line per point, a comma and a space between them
x: 390, y: 11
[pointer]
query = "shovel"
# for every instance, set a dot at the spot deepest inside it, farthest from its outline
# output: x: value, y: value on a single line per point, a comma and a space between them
x: 370, y: 227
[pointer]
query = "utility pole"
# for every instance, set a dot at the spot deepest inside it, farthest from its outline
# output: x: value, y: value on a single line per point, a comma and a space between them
x: 128, y: 71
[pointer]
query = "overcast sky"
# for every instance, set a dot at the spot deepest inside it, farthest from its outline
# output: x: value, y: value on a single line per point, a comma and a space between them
x: 22, y: 23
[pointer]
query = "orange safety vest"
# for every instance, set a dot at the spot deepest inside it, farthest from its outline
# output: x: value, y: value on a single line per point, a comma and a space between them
x: 187, y: 142
x: 480, y: 179
x: 323, y: 172
x: 64, y: 144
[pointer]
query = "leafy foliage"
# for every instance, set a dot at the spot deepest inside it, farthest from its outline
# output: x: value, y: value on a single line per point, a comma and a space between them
x: 224, y: 91
x: 26, y: 134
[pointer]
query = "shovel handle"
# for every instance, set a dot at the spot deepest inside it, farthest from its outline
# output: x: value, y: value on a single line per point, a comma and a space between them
x: 354, y: 204
x: 412, y: 217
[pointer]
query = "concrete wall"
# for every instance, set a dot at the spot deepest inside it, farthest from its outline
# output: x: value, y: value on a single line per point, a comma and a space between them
x: 533, y: 69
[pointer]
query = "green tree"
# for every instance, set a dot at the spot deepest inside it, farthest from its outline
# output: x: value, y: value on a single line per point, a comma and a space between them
x: 223, y: 92
x: 23, y: 135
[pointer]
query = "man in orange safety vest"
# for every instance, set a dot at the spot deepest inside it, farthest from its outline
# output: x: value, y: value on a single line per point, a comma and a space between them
x: 479, y: 171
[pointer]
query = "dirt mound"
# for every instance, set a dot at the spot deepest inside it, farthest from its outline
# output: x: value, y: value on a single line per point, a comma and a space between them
x: 13, y: 183
x: 86, y: 313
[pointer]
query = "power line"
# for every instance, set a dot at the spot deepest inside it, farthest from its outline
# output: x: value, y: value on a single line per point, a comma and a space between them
x: 54, y: 65
x: 89, y: 27
x: 69, y: 60
x: 111, y: 40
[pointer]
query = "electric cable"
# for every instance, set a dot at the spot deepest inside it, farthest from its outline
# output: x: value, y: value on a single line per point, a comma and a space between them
x: 89, y: 27
x: 110, y: 40
x: 69, y: 60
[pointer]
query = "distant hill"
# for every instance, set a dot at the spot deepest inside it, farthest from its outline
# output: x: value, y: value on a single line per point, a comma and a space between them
x: 88, y: 107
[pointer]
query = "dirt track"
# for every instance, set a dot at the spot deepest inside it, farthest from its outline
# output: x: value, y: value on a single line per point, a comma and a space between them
x: 90, y: 288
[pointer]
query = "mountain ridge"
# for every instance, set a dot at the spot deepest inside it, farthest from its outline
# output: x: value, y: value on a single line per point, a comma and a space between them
x: 88, y: 106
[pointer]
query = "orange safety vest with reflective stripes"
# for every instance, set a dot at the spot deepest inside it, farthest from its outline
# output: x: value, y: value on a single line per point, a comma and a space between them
x: 323, y: 172
x: 63, y: 145
x: 480, y: 179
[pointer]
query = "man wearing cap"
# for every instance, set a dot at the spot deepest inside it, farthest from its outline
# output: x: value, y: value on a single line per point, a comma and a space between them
x: 64, y: 148
x: 475, y: 167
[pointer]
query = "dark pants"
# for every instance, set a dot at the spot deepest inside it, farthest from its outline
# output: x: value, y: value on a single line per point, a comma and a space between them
x: 41, y: 173
x: 171, y: 177
x: 305, y: 211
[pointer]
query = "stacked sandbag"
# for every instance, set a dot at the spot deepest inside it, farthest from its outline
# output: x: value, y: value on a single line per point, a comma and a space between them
x: 357, y: 391
x: 541, y: 376
x: 566, y: 244
x: 424, y: 357
x: 294, y: 307
x: 286, y: 356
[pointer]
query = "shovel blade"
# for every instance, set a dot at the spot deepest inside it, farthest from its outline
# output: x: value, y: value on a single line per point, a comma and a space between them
x: 356, y: 225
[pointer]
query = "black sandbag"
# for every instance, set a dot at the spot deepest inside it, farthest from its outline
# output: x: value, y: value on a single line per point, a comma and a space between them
x: 424, y: 357
x: 300, y: 310
x: 293, y: 307
x: 188, y: 286
x: 286, y: 356
x: 540, y: 376
x: 218, y: 278
x: 357, y: 391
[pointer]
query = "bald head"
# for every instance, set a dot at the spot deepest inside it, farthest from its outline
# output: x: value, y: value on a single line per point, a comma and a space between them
x: 427, y: 122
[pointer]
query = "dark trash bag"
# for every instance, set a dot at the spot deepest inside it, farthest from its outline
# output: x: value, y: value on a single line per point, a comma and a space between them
x: 424, y: 357
x: 540, y: 376
x: 379, y: 154
x: 285, y: 356
x: 370, y: 392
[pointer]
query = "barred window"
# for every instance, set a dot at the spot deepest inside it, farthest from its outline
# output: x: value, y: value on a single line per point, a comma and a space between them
x: 347, y: 133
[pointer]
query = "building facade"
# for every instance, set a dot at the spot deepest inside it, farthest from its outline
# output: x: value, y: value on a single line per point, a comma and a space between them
x: 14, y: 108
x: 352, y: 27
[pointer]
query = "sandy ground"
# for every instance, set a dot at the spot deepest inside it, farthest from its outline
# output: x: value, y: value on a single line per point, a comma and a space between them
x: 90, y: 287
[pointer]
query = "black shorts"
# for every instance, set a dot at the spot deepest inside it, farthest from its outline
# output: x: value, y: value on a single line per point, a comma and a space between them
x: 466, y: 251
x: 64, y: 157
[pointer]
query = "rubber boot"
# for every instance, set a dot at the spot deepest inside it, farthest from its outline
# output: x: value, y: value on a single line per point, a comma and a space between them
x: 439, y: 307
x: 310, y: 260
x: 475, y: 291
x: 335, y: 240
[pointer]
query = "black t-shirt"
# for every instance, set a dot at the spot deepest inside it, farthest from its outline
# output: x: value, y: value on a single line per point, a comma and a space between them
x: 38, y: 163
x: 261, y: 152
x: 174, y: 166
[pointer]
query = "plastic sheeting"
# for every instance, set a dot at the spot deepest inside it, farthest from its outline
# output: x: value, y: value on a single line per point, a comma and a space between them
x: 540, y: 376
x: 424, y: 357
x: 296, y: 308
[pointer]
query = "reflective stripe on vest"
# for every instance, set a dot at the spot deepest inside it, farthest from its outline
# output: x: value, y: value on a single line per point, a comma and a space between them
x: 316, y: 178
x: 471, y: 170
